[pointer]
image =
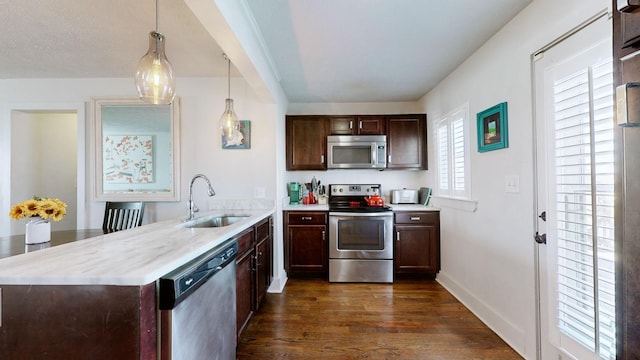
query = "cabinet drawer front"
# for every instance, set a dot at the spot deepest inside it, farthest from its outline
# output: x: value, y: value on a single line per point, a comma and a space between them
x: 262, y: 230
x: 307, y: 218
x: 245, y: 241
x: 418, y: 217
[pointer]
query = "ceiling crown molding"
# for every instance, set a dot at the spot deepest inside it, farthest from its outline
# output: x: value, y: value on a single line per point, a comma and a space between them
x: 260, y: 39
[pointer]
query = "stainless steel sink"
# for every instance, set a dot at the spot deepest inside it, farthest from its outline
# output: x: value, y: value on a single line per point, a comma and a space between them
x: 215, y: 221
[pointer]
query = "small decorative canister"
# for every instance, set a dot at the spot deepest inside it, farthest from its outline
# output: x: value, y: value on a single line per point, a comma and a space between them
x: 38, y: 231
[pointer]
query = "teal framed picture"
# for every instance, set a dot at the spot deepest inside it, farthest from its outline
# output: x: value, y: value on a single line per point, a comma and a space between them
x: 493, y: 131
x: 241, y: 140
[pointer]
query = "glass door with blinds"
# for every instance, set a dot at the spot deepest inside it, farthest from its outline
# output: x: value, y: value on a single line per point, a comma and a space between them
x: 575, y: 179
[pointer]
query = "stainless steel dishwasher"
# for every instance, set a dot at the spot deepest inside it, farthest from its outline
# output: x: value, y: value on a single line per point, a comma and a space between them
x: 198, y: 307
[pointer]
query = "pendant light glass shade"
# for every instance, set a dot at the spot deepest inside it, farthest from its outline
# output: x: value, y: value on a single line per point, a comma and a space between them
x: 229, y: 124
x: 154, y: 77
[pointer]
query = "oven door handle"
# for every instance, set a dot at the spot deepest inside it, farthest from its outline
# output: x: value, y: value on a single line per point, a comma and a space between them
x: 362, y: 214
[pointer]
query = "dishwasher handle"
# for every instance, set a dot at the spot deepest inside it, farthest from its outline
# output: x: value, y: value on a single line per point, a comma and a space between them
x: 180, y: 283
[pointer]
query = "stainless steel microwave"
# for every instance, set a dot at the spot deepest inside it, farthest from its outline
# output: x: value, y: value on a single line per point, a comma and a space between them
x: 357, y: 151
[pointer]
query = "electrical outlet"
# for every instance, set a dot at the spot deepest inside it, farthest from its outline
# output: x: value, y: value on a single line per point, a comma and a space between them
x: 259, y: 192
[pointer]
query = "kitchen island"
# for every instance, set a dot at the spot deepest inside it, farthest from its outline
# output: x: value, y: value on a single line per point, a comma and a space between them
x: 96, y: 298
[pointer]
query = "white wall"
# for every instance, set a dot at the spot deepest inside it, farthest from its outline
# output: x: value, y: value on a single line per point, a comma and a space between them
x: 488, y: 255
x: 234, y: 173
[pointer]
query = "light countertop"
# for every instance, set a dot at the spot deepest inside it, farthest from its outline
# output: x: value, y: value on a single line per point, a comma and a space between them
x: 394, y: 207
x: 301, y: 207
x: 412, y: 207
x: 131, y: 257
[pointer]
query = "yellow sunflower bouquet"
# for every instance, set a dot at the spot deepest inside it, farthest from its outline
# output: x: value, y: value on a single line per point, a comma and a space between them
x: 46, y: 208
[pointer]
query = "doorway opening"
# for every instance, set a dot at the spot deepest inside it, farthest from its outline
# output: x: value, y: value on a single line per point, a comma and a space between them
x: 45, y: 157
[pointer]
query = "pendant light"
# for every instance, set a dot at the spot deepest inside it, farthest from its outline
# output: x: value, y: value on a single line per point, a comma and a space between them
x: 229, y: 124
x: 154, y: 77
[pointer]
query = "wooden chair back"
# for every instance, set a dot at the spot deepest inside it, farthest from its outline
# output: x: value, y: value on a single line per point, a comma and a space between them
x: 122, y: 215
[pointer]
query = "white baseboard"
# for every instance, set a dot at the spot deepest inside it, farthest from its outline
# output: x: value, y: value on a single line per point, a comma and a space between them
x: 510, y: 333
x: 278, y: 283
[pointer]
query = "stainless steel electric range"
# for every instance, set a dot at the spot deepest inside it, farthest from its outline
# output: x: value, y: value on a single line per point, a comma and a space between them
x: 360, y: 236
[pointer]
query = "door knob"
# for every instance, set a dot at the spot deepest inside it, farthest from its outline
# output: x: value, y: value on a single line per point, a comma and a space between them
x: 540, y: 239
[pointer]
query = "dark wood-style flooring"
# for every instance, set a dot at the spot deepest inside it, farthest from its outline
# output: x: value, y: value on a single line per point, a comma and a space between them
x: 410, y: 319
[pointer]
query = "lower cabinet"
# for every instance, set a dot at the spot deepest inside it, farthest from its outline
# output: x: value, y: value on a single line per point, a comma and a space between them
x: 417, y: 243
x: 245, y: 281
x: 263, y: 260
x: 253, y: 270
x: 305, y: 239
x: 78, y: 322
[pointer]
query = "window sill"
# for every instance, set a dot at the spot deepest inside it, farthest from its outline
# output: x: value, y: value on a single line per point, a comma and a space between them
x: 455, y: 203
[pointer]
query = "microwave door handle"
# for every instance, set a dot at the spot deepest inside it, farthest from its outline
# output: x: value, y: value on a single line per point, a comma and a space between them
x: 374, y: 155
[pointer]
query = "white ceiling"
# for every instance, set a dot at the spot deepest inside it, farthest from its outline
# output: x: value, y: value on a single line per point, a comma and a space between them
x: 322, y: 50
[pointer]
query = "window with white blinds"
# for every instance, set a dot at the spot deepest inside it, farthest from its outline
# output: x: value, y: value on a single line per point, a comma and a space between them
x: 584, y: 181
x: 453, y: 154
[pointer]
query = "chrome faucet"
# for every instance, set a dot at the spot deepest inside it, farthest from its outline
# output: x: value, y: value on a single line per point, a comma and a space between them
x: 191, y: 206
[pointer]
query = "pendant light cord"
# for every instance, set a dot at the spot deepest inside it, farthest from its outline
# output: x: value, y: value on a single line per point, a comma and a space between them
x: 157, y: 29
x: 228, y: 75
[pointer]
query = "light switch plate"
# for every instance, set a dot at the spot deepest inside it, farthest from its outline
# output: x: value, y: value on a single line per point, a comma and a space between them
x: 512, y: 183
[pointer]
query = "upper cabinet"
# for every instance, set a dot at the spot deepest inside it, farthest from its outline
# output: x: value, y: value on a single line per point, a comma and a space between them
x: 407, y: 142
x: 307, y: 138
x: 357, y: 125
x: 306, y: 142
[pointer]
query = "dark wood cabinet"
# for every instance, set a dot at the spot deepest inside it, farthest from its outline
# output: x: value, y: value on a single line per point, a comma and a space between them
x: 245, y: 281
x: 253, y: 271
x: 357, y: 125
x: 263, y: 260
x: 417, y: 243
x: 306, y: 138
x: 306, y: 242
x: 371, y: 125
x: 342, y: 125
x: 79, y: 322
x: 306, y: 142
x: 407, y: 141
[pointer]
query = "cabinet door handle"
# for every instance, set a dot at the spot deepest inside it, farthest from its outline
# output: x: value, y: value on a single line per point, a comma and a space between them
x: 350, y: 125
x: 389, y: 159
x: 323, y: 235
x: 415, y: 218
x: 397, y: 235
x: 360, y: 124
x: 322, y: 158
x: 307, y: 218
x: 257, y: 257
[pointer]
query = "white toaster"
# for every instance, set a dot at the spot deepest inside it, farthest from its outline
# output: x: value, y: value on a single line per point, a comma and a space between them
x: 404, y: 196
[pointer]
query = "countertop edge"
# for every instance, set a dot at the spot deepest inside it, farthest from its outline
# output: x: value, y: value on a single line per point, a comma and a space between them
x: 394, y: 207
x: 132, y: 257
